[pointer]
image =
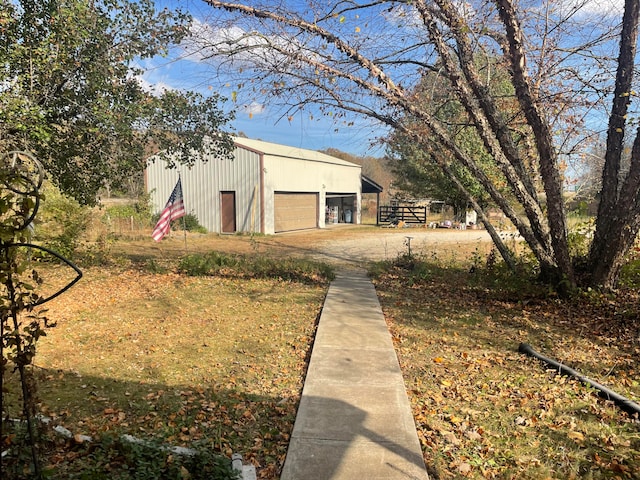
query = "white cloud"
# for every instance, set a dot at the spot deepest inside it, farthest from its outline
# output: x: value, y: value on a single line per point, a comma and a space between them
x: 155, y: 88
x: 205, y: 41
x: 600, y: 7
x: 253, y: 108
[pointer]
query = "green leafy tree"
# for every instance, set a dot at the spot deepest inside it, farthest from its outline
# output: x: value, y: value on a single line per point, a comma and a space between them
x: 563, y: 60
x: 71, y: 96
x: 416, y: 165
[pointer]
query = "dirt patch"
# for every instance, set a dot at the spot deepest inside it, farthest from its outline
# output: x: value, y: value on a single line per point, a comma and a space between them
x: 387, y: 244
x: 341, y: 245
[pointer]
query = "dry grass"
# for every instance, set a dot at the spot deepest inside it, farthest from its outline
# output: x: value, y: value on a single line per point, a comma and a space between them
x: 483, y: 410
x: 192, y: 361
x: 220, y: 362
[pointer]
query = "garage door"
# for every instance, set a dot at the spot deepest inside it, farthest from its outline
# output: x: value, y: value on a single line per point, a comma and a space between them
x: 295, y: 211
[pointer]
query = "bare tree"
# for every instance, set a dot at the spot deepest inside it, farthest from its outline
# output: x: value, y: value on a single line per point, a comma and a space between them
x: 365, y: 58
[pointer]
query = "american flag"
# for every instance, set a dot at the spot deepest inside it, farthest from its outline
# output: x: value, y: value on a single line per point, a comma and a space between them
x: 172, y: 210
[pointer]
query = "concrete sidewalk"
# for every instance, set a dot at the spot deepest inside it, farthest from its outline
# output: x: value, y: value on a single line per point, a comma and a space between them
x: 354, y: 420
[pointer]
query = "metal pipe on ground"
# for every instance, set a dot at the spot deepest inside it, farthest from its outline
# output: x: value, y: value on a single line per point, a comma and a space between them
x: 624, y: 403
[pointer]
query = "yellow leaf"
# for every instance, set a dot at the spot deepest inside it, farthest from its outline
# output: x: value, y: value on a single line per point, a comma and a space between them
x: 438, y: 360
x: 184, y: 473
x: 454, y: 419
x: 576, y: 437
x: 357, y: 29
x: 342, y: 19
x: 234, y: 96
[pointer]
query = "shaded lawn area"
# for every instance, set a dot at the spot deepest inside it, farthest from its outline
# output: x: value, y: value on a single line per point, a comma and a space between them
x: 483, y: 410
x: 204, y: 362
x: 218, y: 362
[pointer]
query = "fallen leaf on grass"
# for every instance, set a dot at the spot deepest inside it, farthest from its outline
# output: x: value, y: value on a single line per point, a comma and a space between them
x: 472, y: 435
x: 464, y: 468
x: 576, y: 437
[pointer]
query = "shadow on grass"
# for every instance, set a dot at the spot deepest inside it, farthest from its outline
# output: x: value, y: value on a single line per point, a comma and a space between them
x: 218, y: 419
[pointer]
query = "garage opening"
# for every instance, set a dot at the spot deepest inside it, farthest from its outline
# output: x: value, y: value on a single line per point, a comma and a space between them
x: 340, y: 208
x: 295, y: 211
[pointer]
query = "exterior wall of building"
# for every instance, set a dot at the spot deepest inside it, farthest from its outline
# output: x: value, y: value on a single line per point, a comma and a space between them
x: 283, y: 174
x: 202, y: 184
x: 255, y: 184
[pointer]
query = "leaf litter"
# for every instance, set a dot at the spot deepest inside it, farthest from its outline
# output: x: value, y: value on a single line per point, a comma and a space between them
x: 482, y: 409
x: 207, y: 362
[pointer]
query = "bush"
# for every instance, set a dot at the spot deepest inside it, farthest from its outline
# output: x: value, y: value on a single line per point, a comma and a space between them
x: 140, y: 210
x: 199, y: 264
x: 292, y: 269
x: 62, y: 223
x: 189, y: 222
x: 150, y: 460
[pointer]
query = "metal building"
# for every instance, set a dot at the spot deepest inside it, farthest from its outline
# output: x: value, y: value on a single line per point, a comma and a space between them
x: 266, y: 188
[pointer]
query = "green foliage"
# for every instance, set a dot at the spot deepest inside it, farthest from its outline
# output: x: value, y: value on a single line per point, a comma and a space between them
x: 74, y: 98
x: 153, y: 266
x: 630, y: 272
x: 62, y: 223
x: 189, y: 223
x: 482, y: 271
x: 21, y: 325
x: 140, y: 209
x: 415, y: 166
x: 148, y: 461
x: 255, y: 266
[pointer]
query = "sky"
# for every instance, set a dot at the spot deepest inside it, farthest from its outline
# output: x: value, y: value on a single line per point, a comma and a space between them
x: 314, y: 132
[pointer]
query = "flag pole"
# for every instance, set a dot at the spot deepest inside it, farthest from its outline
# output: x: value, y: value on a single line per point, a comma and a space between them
x: 173, y: 210
x: 184, y: 221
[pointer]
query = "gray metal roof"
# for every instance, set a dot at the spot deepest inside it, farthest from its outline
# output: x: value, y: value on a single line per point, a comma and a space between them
x: 277, y: 150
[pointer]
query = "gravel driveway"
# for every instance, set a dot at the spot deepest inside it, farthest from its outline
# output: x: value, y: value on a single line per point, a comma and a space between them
x: 389, y: 244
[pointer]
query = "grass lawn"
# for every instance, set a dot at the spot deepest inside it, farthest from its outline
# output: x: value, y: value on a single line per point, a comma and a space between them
x: 213, y: 361
x: 218, y: 360
x: 482, y: 409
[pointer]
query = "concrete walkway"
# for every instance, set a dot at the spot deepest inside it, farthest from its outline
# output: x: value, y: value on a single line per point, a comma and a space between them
x: 354, y: 421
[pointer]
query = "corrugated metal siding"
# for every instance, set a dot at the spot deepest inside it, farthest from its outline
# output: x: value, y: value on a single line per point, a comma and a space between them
x: 203, y: 183
x: 309, y: 172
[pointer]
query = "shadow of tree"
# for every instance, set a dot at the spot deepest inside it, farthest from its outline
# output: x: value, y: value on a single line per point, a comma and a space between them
x: 220, y: 420
x: 340, y: 445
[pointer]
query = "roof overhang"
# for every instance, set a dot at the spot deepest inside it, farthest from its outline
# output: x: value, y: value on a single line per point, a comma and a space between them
x: 369, y: 186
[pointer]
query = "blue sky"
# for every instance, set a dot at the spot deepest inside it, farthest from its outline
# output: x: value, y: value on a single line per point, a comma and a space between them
x: 309, y: 130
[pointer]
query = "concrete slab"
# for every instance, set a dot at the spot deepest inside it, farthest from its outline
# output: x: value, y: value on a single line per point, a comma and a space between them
x: 354, y: 420
x: 330, y: 460
x: 353, y: 366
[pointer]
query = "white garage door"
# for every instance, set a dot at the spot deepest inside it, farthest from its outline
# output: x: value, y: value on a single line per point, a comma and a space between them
x: 295, y: 211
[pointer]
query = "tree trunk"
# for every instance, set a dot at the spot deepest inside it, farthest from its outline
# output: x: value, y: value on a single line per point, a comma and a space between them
x: 547, y: 154
x: 356, y: 67
x: 615, y: 227
x: 621, y: 228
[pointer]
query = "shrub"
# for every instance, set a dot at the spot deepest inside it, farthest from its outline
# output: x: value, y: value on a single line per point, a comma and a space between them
x: 149, y: 460
x: 189, y: 222
x: 292, y: 269
x: 62, y: 223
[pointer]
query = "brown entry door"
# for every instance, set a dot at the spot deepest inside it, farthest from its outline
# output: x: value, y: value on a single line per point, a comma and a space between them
x: 228, y: 209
